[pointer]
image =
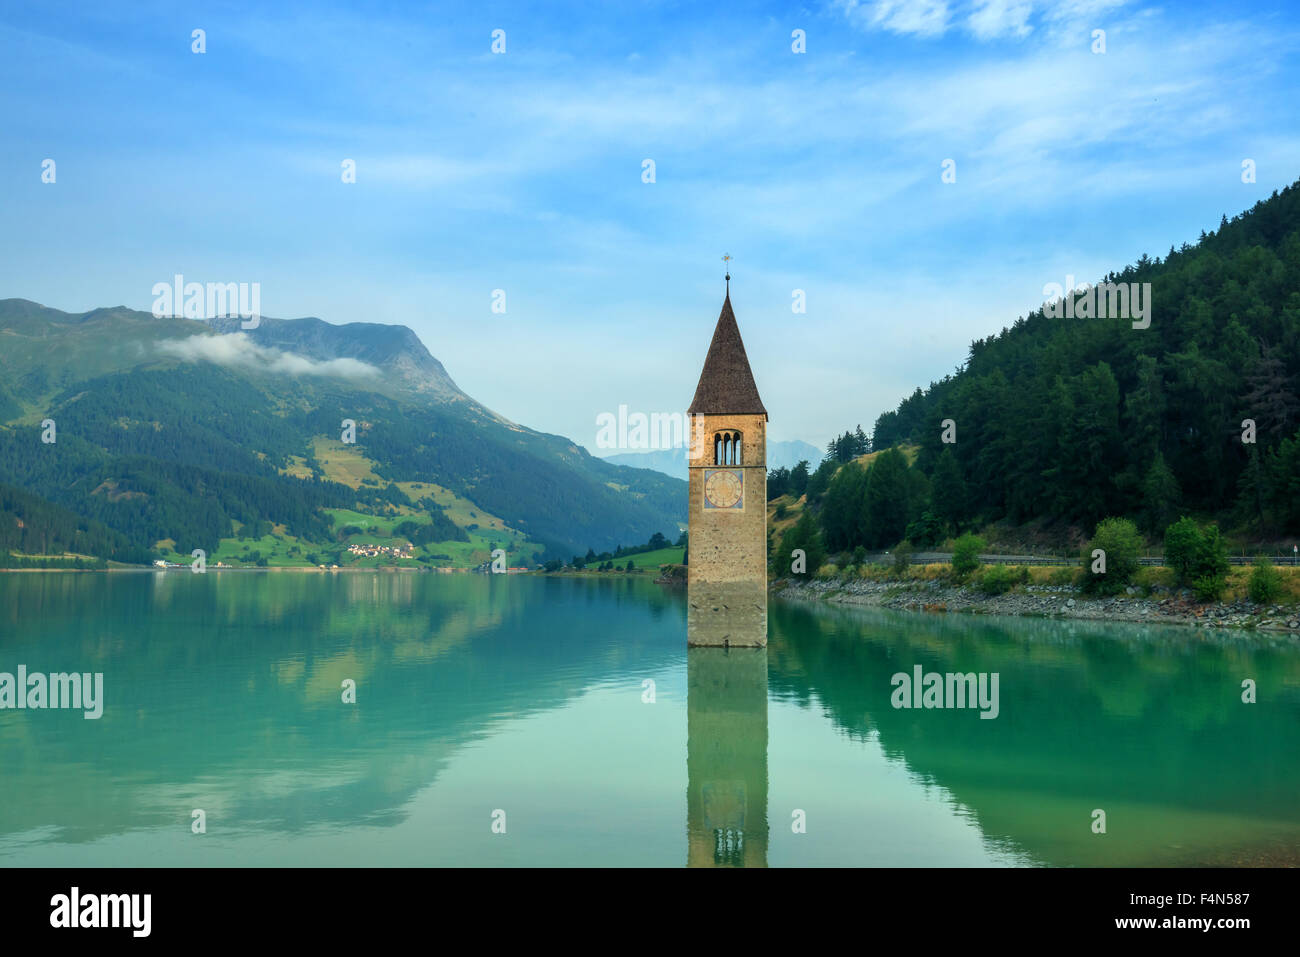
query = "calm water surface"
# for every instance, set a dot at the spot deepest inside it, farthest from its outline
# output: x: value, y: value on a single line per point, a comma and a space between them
x: 529, y: 695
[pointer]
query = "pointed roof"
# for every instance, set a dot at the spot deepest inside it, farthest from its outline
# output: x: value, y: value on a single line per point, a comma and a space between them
x: 727, y: 384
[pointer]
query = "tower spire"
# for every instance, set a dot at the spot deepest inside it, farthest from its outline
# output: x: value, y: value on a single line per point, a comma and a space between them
x: 726, y: 384
x: 727, y: 259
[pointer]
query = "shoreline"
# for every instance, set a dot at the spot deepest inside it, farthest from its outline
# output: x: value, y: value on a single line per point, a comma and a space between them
x: 270, y: 568
x: 1046, y: 601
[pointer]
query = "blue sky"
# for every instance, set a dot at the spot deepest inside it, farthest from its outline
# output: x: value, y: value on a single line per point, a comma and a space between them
x: 522, y: 171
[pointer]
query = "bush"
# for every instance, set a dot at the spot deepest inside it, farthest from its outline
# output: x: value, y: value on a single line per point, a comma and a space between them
x: 1209, y: 587
x: 1064, y: 575
x: 859, y: 555
x: 1120, y: 543
x: 903, y: 558
x: 1265, y: 586
x: 966, y: 554
x: 1197, y: 555
x: 998, y: 579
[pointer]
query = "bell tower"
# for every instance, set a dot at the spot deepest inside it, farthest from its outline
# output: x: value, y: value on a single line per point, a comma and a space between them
x: 727, y: 563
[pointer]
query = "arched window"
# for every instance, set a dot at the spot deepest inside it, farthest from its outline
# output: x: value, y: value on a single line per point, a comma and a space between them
x: 726, y: 448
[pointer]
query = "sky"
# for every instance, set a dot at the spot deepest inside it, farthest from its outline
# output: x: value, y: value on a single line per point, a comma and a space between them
x: 525, y: 171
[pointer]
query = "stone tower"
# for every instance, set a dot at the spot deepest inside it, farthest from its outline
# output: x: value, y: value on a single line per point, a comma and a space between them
x: 727, y: 561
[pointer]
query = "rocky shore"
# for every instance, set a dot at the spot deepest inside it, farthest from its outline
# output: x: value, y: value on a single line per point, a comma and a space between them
x: 1163, y: 606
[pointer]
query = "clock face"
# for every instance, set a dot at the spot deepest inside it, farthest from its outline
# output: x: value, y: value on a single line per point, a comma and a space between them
x: 723, y: 488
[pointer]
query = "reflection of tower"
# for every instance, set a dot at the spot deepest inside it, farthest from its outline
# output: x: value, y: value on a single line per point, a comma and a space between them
x: 726, y: 757
x: 727, y: 564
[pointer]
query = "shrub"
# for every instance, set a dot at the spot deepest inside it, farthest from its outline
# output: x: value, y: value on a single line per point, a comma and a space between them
x: 781, y: 511
x: 1196, y: 554
x: 1064, y: 575
x: 966, y: 554
x: 1120, y: 543
x: 1209, y: 587
x: 1265, y: 586
x: 997, y: 579
x: 1181, y: 542
x: 1212, y: 558
x: 903, y: 558
x: 859, y: 555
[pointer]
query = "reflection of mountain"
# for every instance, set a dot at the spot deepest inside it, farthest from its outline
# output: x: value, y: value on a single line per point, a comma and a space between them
x: 233, y: 704
x: 1147, y: 724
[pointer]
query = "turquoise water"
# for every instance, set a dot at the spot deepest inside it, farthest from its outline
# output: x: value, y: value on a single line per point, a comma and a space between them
x: 528, y: 695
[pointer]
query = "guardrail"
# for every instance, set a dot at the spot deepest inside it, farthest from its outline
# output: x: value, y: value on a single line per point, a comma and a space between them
x: 930, y: 558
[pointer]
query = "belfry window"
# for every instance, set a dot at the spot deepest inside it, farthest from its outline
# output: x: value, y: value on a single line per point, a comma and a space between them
x: 726, y: 448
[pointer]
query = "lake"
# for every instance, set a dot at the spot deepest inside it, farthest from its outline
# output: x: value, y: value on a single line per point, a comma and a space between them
x: 526, y: 720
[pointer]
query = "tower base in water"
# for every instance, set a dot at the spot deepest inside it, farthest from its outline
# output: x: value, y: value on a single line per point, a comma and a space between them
x: 726, y: 614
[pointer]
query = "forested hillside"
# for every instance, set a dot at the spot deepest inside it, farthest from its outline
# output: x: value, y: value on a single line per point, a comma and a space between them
x: 164, y: 435
x: 1069, y: 420
x: 32, y: 531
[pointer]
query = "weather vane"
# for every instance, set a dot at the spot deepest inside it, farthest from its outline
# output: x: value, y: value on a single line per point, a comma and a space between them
x: 727, y: 259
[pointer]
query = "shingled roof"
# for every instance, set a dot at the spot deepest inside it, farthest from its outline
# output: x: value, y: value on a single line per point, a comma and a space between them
x: 726, y: 384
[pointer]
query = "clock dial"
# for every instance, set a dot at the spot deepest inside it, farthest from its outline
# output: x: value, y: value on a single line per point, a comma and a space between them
x: 723, y: 488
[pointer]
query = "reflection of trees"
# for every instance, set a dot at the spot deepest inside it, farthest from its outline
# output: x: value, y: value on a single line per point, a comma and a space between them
x: 223, y: 690
x: 1147, y: 721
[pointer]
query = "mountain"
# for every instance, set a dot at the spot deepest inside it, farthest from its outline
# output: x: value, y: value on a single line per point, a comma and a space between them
x: 672, y: 462
x: 786, y: 455
x: 174, y: 434
x: 1194, y: 408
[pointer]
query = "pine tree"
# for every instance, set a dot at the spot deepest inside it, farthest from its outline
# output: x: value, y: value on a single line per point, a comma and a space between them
x: 1160, y: 495
x: 948, y: 491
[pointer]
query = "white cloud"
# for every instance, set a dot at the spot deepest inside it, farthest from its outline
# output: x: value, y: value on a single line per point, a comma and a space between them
x: 237, y: 350
x: 925, y: 18
x: 992, y: 19
x: 983, y: 19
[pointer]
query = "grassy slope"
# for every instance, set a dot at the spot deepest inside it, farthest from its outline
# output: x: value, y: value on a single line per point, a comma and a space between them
x: 652, y: 560
x: 348, y: 466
